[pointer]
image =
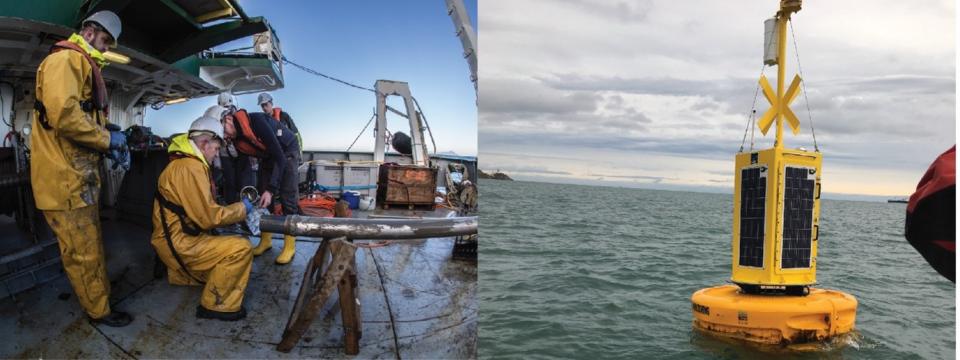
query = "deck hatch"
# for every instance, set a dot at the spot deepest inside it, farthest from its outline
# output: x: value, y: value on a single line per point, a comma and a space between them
x: 797, y: 217
x: 753, y: 192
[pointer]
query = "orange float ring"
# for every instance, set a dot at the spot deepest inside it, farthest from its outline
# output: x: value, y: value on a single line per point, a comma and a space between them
x: 773, y: 319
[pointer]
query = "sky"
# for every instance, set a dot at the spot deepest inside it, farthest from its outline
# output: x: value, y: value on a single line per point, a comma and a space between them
x: 359, y: 42
x: 657, y: 94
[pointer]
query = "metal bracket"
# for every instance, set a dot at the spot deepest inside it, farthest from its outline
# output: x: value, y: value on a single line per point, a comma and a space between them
x: 316, y: 288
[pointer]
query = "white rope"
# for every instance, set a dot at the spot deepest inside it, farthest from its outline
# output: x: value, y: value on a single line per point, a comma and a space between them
x: 752, y: 114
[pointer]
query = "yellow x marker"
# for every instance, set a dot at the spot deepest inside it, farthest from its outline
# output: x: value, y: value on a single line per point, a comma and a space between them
x: 779, y: 106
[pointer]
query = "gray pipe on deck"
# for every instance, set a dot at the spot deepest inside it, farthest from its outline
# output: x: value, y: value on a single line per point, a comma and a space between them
x: 369, y: 228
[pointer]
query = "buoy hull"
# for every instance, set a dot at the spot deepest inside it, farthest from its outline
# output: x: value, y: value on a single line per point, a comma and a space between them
x: 773, y: 319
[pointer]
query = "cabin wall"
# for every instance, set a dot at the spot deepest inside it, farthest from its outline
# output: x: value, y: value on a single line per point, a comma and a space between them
x: 17, y: 97
x: 23, y: 105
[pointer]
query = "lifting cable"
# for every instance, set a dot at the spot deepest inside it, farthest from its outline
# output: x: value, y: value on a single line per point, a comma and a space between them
x: 362, y: 131
x: 803, y: 85
x: 752, y: 114
x: 424, y: 117
x: 419, y: 110
x: 314, y: 72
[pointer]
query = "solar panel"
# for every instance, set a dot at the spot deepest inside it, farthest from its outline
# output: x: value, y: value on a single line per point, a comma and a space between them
x: 753, y: 193
x: 799, y: 183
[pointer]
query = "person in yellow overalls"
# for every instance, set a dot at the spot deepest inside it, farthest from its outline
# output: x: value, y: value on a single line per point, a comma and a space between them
x: 68, y: 141
x: 184, y: 213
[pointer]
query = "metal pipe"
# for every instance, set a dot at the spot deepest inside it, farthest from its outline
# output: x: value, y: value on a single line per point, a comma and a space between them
x: 236, y: 7
x: 369, y: 228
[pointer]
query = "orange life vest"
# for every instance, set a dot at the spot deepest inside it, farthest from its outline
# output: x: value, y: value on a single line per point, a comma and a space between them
x: 276, y: 116
x: 248, y: 143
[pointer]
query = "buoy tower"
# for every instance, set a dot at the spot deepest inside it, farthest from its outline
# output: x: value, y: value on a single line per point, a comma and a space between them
x: 776, y: 222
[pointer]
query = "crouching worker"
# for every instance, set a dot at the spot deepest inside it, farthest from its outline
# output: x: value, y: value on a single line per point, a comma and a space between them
x: 183, y: 215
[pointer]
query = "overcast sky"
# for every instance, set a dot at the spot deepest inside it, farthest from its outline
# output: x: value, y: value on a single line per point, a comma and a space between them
x: 657, y: 93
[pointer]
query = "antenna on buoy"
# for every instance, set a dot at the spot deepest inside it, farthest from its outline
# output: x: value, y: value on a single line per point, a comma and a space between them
x: 776, y: 225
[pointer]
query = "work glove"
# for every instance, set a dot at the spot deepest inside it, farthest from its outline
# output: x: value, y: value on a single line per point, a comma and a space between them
x: 121, y: 158
x: 247, y: 204
x: 117, y: 139
x: 253, y: 219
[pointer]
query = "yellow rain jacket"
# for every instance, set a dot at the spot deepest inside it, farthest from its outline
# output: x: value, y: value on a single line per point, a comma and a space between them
x: 222, y: 262
x: 65, y: 171
x: 65, y: 160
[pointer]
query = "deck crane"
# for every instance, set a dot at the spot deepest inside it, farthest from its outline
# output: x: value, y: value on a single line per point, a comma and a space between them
x: 467, y: 35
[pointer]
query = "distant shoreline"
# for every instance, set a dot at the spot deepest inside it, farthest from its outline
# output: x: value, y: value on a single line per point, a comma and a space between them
x: 495, y: 176
x: 715, y: 190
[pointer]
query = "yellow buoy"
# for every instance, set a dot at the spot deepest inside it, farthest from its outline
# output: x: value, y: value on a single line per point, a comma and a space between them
x: 776, y: 223
x: 773, y: 319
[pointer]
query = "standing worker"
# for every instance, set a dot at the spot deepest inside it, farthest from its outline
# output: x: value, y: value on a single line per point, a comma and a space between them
x: 236, y: 167
x: 183, y: 214
x: 258, y: 135
x: 68, y: 139
x: 266, y: 104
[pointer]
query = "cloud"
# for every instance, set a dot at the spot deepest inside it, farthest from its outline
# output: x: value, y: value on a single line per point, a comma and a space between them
x: 516, y: 96
x: 654, y: 80
x: 530, y: 103
x: 654, y: 179
x: 634, y: 145
x: 624, y: 11
x: 647, y: 85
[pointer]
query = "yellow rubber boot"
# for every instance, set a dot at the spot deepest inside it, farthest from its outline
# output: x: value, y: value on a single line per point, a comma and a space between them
x: 266, y: 243
x: 289, y: 248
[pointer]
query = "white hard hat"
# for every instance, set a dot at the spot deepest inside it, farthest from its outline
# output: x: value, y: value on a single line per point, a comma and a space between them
x: 215, y: 111
x: 108, y: 21
x: 225, y: 100
x: 263, y: 97
x: 208, y: 124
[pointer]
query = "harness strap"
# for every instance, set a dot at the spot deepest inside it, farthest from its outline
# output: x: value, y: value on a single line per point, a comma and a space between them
x: 86, y: 106
x: 166, y: 231
x: 42, y: 115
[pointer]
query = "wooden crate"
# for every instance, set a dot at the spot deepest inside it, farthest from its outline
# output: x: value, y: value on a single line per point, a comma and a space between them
x: 406, y: 185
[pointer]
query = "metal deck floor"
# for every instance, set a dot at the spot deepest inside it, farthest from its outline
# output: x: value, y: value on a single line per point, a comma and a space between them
x: 416, y: 302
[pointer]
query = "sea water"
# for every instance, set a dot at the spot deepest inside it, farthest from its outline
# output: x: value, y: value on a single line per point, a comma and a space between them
x: 593, y: 272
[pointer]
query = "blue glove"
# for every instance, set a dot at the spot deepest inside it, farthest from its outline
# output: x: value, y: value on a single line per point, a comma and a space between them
x: 126, y: 161
x: 115, y: 156
x: 117, y: 140
x: 247, y: 204
x: 120, y: 159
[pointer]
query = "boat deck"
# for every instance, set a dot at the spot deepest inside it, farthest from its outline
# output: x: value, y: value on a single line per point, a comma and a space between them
x: 416, y: 302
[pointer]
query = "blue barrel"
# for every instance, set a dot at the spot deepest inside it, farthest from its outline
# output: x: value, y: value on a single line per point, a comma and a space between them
x: 351, y: 198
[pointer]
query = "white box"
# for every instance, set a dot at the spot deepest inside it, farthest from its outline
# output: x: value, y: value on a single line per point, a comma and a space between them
x: 360, y: 176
